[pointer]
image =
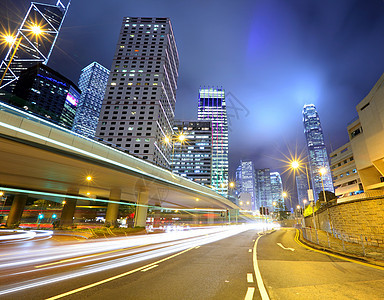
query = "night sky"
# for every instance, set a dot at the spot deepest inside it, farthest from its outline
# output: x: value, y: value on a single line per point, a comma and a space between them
x: 271, y: 57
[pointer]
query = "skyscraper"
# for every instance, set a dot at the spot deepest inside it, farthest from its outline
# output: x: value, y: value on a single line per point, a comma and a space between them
x: 276, y: 188
x: 192, y: 159
x: 92, y: 83
x: 34, y: 40
x: 302, y: 188
x: 138, y: 108
x: 263, y: 185
x: 317, y: 152
x: 212, y: 107
x: 246, y: 180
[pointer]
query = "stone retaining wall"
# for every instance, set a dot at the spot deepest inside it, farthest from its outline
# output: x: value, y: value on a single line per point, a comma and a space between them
x: 354, y: 221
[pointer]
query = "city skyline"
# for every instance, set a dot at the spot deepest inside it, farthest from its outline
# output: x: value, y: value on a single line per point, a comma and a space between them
x: 328, y: 76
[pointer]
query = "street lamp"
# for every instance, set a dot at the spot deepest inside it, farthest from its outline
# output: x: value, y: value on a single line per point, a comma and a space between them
x: 9, y: 39
x: 295, y: 164
x: 172, y: 140
x: 285, y: 195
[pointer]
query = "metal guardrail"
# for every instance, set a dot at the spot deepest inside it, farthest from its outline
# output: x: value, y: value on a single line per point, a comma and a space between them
x: 363, y: 245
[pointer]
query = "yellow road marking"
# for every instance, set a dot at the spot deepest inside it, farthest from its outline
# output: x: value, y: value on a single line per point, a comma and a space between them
x: 249, y: 277
x: 335, y: 255
x: 117, y: 276
x: 147, y: 269
x: 250, y: 250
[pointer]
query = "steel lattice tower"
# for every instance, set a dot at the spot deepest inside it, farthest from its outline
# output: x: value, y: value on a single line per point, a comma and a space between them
x: 28, y: 48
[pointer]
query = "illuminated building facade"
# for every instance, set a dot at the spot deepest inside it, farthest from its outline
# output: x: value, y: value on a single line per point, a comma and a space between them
x: 212, y: 107
x: 192, y: 158
x: 246, y: 181
x: 302, y: 188
x: 34, y: 40
x: 263, y: 186
x: 92, y: 83
x: 276, y: 188
x: 49, y: 94
x: 138, y: 107
x: 317, y: 152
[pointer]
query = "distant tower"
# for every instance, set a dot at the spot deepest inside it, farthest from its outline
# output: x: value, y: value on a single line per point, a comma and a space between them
x: 317, y: 152
x: 92, y: 83
x: 246, y: 180
x: 263, y: 181
x: 212, y: 107
x: 34, y: 40
x: 302, y: 188
x: 276, y: 188
x: 139, y: 105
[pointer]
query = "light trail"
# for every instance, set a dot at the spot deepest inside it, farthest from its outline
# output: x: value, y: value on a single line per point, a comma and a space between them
x: 155, y: 246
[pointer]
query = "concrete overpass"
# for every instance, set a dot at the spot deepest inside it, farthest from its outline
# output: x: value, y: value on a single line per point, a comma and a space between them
x: 38, y: 158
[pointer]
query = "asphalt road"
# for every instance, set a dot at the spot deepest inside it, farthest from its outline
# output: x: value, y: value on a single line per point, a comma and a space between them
x: 212, y: 265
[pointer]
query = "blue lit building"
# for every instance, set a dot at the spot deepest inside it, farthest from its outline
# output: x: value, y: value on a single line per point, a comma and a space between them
x: 212, y: 107
x: 48, y: 93
x: 317, y: 152
x: 302, y: 188
x: 246, y: 180
x: 263, y: 185
x: 276, y: 188
x: 92, y: 83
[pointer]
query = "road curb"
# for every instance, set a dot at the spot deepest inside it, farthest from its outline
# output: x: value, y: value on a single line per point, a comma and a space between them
x: 335, y: 252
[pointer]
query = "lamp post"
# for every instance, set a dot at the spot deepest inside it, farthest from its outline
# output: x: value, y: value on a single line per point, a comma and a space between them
x: 296, y: 166
x: 285, y: 195
x: 172, y: 140
x: 322, y: 172
x: 9, y: 39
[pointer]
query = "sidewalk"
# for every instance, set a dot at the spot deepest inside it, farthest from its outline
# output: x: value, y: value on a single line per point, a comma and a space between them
x: 326, y: 242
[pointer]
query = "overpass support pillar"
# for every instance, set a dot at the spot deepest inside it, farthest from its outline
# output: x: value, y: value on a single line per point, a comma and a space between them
x: 141, y: 209
x: 68, y: 211
x: 113, y: 208
x: 16, y: 211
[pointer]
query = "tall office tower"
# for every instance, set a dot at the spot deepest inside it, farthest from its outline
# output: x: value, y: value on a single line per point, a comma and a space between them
x: 46, y: 92
x: 276, y: 188
x: 34, y: 41
x: 263, y: 185
x: 317, y: 152
x: 302, y: 188
x: 212, y: 107
x: 246, y: 180
x: 92, y: 83
x: 138, y: 108
x: 192, y: 158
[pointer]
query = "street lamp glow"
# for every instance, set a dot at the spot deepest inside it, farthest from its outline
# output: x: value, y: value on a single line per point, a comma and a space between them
x: 295, y: 164
x: 9, y: 39
x: 181, y: 137
x: 284, y: 194
x: 274, y: 203
x: 298, y: 207
x: 322, y: 171
x: 1, y: 194
x: 88, y: 178
x: 88, y: 193
x: 231, y: 184
x: 166, y: 140
x: 305, y: 201
x: 241, y: 202
x: 36, y: 30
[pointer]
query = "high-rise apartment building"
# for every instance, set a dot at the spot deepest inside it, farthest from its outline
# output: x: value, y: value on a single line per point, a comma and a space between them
x: 212, y: 107
x: 92, y: 83
x: 192, y: 157
x: 276, y: 188
x: 138, y: 108
x: 263, y: 185
x: 246, y: 180
x: 302, y: 188
x: 317, y: 152
x: 34, y: 40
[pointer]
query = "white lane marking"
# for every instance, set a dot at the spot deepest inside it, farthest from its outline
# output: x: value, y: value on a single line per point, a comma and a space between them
x: 250, y: 250
x: 147, y: 269
x: 281, y: 245
x: 249, y: 294
x: 260, y: 283
x: 249, y: 277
